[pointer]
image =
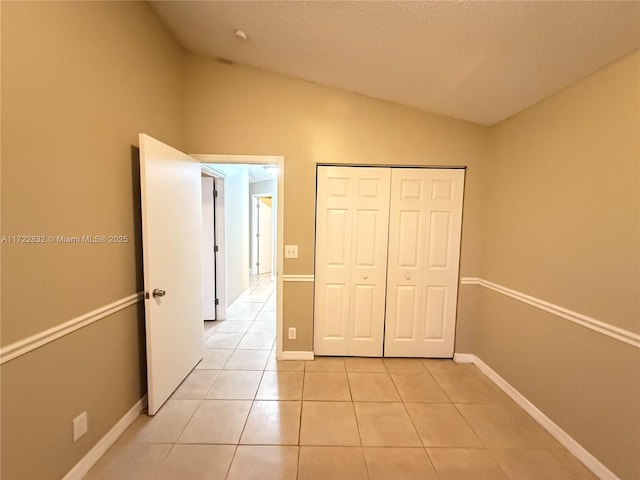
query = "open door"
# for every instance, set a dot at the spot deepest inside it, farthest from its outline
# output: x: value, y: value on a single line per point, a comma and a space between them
x: 172, y: 261
x: 209, y: 306
x: 264, y: 235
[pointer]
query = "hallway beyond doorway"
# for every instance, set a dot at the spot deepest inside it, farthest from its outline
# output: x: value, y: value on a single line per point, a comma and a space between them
x: 250, y: 322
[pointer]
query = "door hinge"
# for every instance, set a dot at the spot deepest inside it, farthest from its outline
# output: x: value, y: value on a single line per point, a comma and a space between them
x: 215, y: 194
x: 215, y: 248
x: 216, y: 302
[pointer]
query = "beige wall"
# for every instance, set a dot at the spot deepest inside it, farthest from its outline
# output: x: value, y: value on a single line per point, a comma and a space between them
x: 563, y: 198
x: 237, y: 110
x: 562, y: 224
x: 551, y: 209
x: 80, y: 80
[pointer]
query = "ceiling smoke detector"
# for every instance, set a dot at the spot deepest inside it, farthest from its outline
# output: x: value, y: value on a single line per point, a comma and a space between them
x: 240, y: 35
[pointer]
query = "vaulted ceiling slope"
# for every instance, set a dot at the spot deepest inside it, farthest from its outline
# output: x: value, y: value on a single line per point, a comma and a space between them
x: 480, y: 61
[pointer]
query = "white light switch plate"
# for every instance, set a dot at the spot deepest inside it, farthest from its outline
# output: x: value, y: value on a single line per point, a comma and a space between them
x: 291, y: 251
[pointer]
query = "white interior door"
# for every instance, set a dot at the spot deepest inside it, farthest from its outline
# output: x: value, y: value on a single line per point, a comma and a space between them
x: 352, y: 214
x: 424, y: 251
x: 172, y: 260
x: 265, y: 234
x: 208, y: 251
x: 255, y: 243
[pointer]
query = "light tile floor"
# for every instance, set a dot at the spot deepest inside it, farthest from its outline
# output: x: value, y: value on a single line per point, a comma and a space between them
x: 241, y: 414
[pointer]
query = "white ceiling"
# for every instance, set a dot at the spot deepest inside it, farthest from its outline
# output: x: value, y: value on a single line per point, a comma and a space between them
x: 478, y: 61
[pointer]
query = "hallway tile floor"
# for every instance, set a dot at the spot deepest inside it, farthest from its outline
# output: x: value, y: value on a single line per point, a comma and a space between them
x: 241, y: 414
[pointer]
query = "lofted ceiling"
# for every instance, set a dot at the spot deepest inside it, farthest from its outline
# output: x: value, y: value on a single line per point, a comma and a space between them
x: 480, y: 61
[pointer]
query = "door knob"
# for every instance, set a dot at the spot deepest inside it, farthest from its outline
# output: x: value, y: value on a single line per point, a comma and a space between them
x: 407, y: 276
x: 158, y: 293
x: 365, y: 276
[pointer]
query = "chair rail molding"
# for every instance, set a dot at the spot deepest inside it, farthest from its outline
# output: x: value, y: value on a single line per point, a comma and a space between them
x: 298, y: 278
x: 617, y: 333
x: 26, y: 345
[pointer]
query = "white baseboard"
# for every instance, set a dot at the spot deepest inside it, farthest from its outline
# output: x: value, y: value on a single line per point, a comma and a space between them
x: 297, y: 356
x: 91, y: 458
x: 591, y: 462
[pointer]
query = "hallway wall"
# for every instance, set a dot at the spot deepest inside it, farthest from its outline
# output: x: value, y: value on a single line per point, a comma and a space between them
x: 236, y: 200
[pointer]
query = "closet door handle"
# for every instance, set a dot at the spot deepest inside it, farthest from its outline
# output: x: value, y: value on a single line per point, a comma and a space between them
x: 365, y: 276
x: 407, y: 276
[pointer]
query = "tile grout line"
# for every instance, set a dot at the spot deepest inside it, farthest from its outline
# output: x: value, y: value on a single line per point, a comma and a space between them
x: 415, y: 428
x: 234, y: 350
x: 304, y: 376
x: 455, y: 405
x: 235, y: 451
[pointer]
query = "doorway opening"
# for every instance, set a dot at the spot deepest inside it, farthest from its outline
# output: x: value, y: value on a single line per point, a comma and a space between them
x: 248, y: 237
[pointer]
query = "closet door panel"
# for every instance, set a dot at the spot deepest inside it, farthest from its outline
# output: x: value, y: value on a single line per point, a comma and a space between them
x: 424, y: 244
x: 334, y: 218
x: 353, y: 254
x: 407, y: 229
x: 441, y: 271
x: 369, y: 261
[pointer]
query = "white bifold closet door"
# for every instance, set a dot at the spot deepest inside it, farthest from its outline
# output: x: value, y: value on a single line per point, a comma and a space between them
x: 387, y: 255
x: 352, y: 219
x: 424, y: 251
